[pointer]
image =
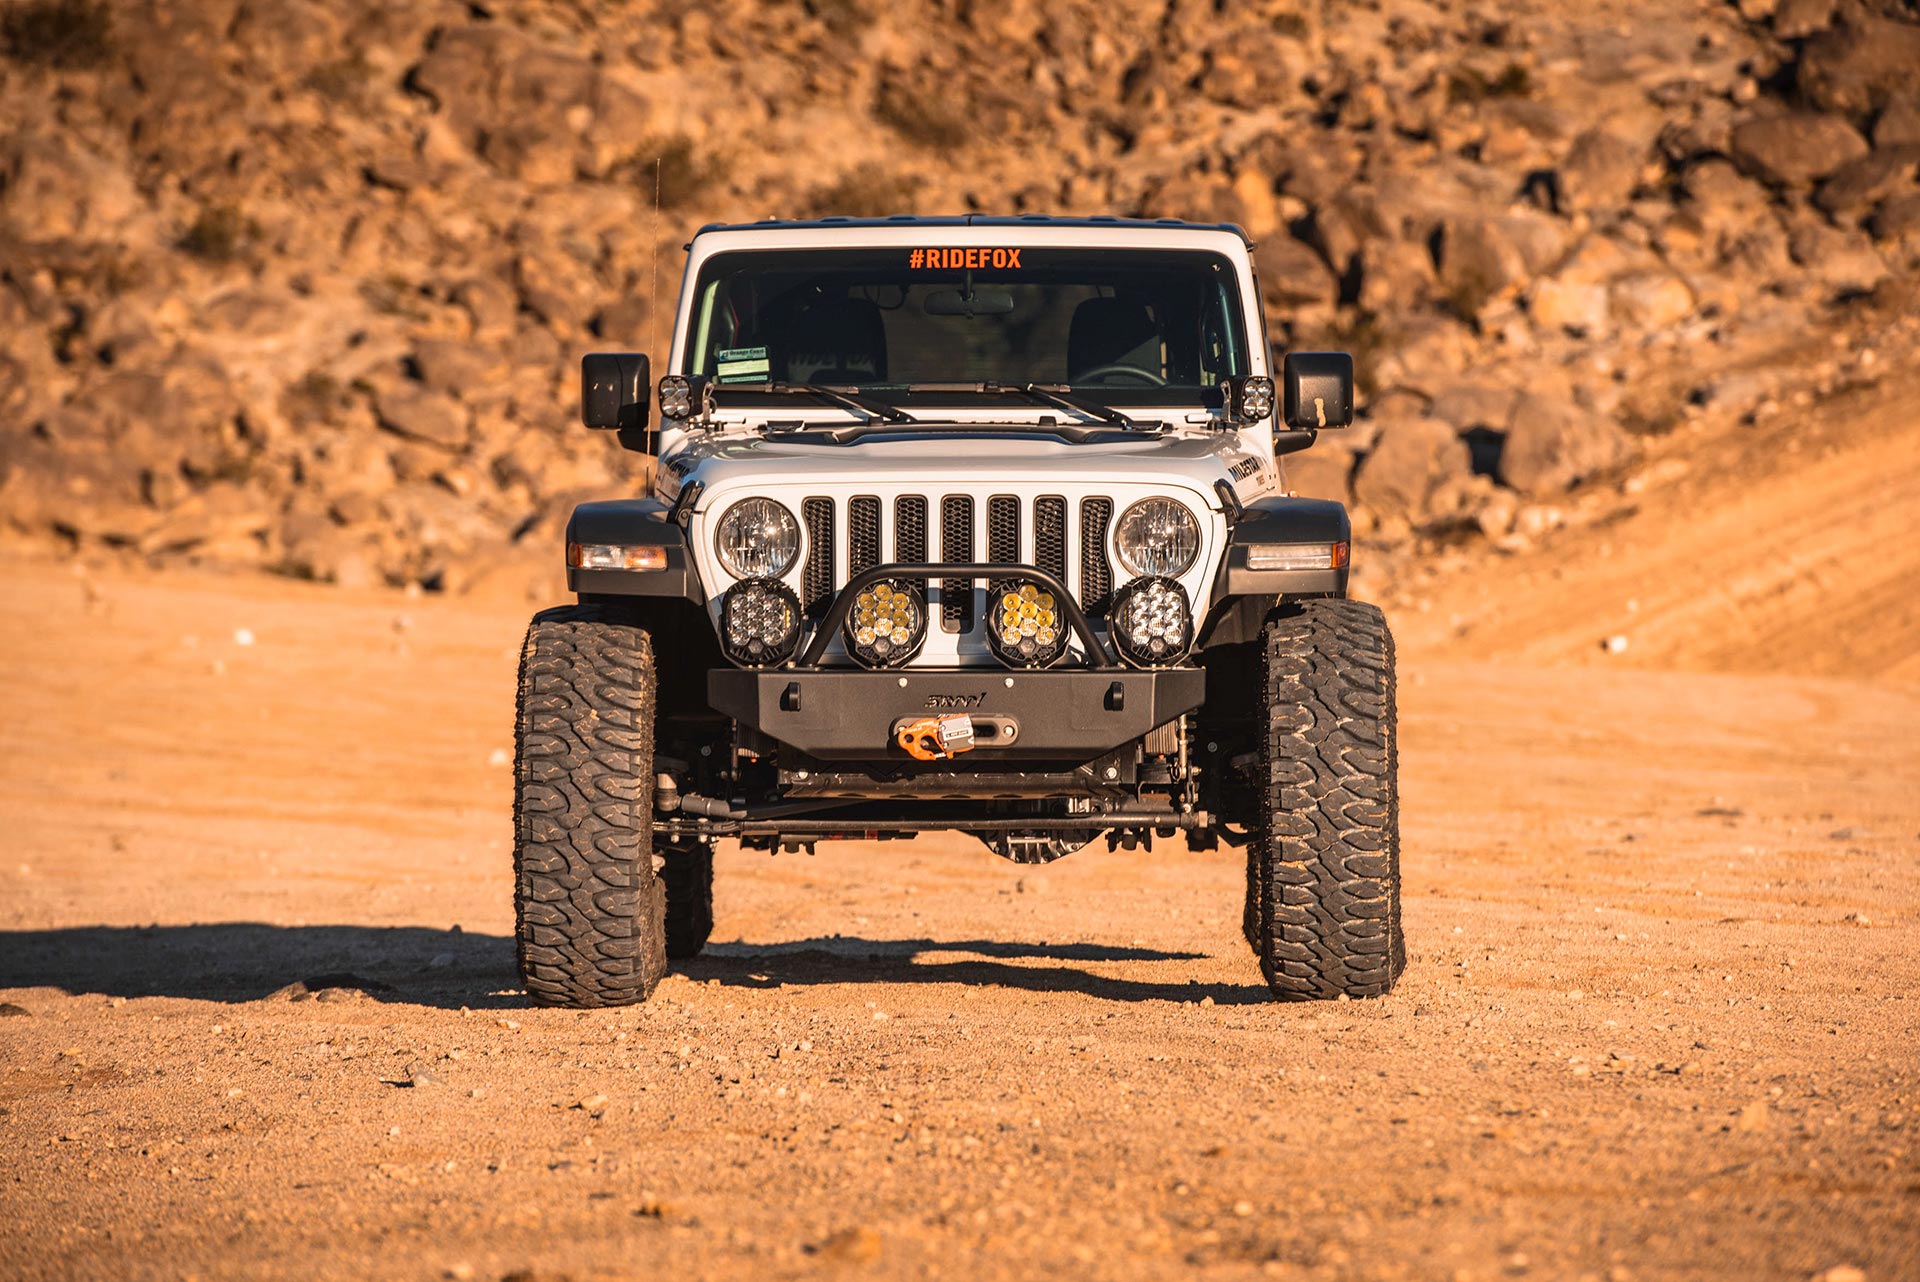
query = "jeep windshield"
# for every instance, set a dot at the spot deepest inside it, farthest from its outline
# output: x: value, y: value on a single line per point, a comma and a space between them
x: 903, y: 325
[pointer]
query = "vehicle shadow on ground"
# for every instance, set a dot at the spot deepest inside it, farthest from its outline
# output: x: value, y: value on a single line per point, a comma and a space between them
x: 842, y: 959
x: 449, y: 969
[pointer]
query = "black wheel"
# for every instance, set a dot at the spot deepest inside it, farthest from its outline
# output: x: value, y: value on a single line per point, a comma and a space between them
x: 1323, y: 868
x: 688, y: 875
x: 589, y: 910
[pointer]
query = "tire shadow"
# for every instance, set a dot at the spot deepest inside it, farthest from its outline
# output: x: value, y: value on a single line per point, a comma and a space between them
x: 238, y: 962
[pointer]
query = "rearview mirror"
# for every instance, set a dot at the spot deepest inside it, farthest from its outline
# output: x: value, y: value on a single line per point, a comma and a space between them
x: 614, y: 390
x: 1316, y: 390
x: 981, y: 302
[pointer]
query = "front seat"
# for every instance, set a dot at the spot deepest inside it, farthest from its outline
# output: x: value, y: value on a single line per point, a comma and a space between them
x: 842, y: 340
x: 1112, y: 331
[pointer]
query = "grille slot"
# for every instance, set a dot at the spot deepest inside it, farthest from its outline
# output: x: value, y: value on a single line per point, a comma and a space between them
x: 816, y: 581
x: 956, y: 547
x: 1096, y: 574
x: 1050, y: 535
x: 910, y: 528
x: 863, y: 533
x: 1003, y: 529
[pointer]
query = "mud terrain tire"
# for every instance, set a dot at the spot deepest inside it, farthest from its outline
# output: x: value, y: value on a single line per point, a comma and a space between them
x: 688, y: 875
x: 1323, y: 867
x: 589, y: 910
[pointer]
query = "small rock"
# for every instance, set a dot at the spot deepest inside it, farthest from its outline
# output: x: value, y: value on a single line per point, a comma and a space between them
x: 9, y: 1011
x: 441, y: 961
x: 1841, y: 1273
x: 1615, y: 644
x: 419, y: 1075
x: 243, y: 636
x: 593, y: 1104
x: 1754, y: 1117
x: 1601, y: 170
x: 853, y: 1246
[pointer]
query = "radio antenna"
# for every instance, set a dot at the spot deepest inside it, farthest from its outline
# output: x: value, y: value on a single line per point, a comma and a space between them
x: 653, y: 268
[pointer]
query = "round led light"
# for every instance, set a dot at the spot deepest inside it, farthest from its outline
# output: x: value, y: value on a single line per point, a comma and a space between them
x: 1027, y: 632
x: 1151, y: 622
x: 1157, y: 537
x: 887, y: 624
x: 757, y: 538
x: 759, y: 622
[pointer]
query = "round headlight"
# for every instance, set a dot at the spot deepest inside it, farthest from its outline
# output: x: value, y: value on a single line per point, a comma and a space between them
x: 757, y: 538
x: 1025, y: 626
x: 1157, y: 536
x: 1151, y: 622
x: 887, y: 623
x: 759, y: 622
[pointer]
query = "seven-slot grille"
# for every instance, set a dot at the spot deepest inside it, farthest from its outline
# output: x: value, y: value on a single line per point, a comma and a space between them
x: 959, y: 540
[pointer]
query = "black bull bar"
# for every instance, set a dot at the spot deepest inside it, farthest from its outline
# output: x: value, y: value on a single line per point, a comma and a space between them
x: 849, y: 714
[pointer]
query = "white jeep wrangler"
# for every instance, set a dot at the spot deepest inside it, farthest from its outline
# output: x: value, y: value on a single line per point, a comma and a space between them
x: 971, y: 524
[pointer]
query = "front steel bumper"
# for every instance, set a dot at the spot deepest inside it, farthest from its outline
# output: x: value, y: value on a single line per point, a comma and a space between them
x: 849, y: 714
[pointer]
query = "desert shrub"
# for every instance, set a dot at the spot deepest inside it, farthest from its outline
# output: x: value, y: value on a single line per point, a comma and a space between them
x: 218, y: 234
x: 684, y: 173
x: 1470, y: 85
x: 57, y: 33
x: 869, y: 191
x: 922, y: 118
x: 343, y: 80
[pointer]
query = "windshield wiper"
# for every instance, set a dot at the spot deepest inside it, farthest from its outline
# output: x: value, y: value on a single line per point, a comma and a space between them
x: 1061, y: 400
x: 846, y: 400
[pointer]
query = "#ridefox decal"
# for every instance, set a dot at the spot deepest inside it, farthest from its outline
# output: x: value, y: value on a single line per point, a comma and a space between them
x: 951, y: 259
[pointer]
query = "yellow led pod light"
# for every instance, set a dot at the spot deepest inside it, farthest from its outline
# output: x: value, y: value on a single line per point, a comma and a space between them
x: 887, y: 624
x: 1026, y: 625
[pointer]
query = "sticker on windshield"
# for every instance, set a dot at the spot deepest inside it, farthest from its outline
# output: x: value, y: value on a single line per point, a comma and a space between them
x: 953, y: 259
x: 742, y: 365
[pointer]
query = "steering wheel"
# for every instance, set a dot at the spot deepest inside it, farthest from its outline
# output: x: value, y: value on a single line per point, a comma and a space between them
x: 1148, y: 377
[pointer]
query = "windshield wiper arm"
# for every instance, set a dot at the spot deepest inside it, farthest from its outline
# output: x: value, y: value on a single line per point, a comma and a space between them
x: 847, y: 400
x: 1062, y: 400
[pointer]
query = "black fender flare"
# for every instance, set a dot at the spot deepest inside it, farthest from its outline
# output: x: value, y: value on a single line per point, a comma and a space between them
x: 1243, y: 594
x: 642, y: 522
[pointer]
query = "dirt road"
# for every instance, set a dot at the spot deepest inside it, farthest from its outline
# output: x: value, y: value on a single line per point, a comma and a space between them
x: 1659, y: 1022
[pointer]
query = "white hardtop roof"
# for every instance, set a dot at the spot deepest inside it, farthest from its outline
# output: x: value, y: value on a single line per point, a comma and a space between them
x: 1116, y: 233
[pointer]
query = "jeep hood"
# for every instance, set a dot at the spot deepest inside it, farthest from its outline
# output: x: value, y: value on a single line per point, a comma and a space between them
x: 971, y: 455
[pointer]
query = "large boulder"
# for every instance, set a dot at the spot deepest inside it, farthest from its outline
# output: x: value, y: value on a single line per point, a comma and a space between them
x: 1796, y: 148
x: 1857, y: 186
x: 1412, y: 461
x: 421, y: 415
x: 1292, y: 275
x: 1857, y: 66
x: 1553, y: 444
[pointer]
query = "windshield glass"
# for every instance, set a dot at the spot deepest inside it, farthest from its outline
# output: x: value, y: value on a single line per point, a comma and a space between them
x: 1130, y: 327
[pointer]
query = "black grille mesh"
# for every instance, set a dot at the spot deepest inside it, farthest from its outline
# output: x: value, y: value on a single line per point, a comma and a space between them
x: 956, y: 546
x: 1096, y: 575
x: 910, y: 529
x: 1003, y: 529
x: 1050, y: 535
x: 863, y: 534
x: 816, y: 581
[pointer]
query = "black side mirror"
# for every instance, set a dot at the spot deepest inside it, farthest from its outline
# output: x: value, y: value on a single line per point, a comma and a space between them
x: 1316, y: 390
x: 614, y: 391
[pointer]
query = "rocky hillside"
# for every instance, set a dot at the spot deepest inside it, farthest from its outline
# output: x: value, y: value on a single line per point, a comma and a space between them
x: 302, y: 284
